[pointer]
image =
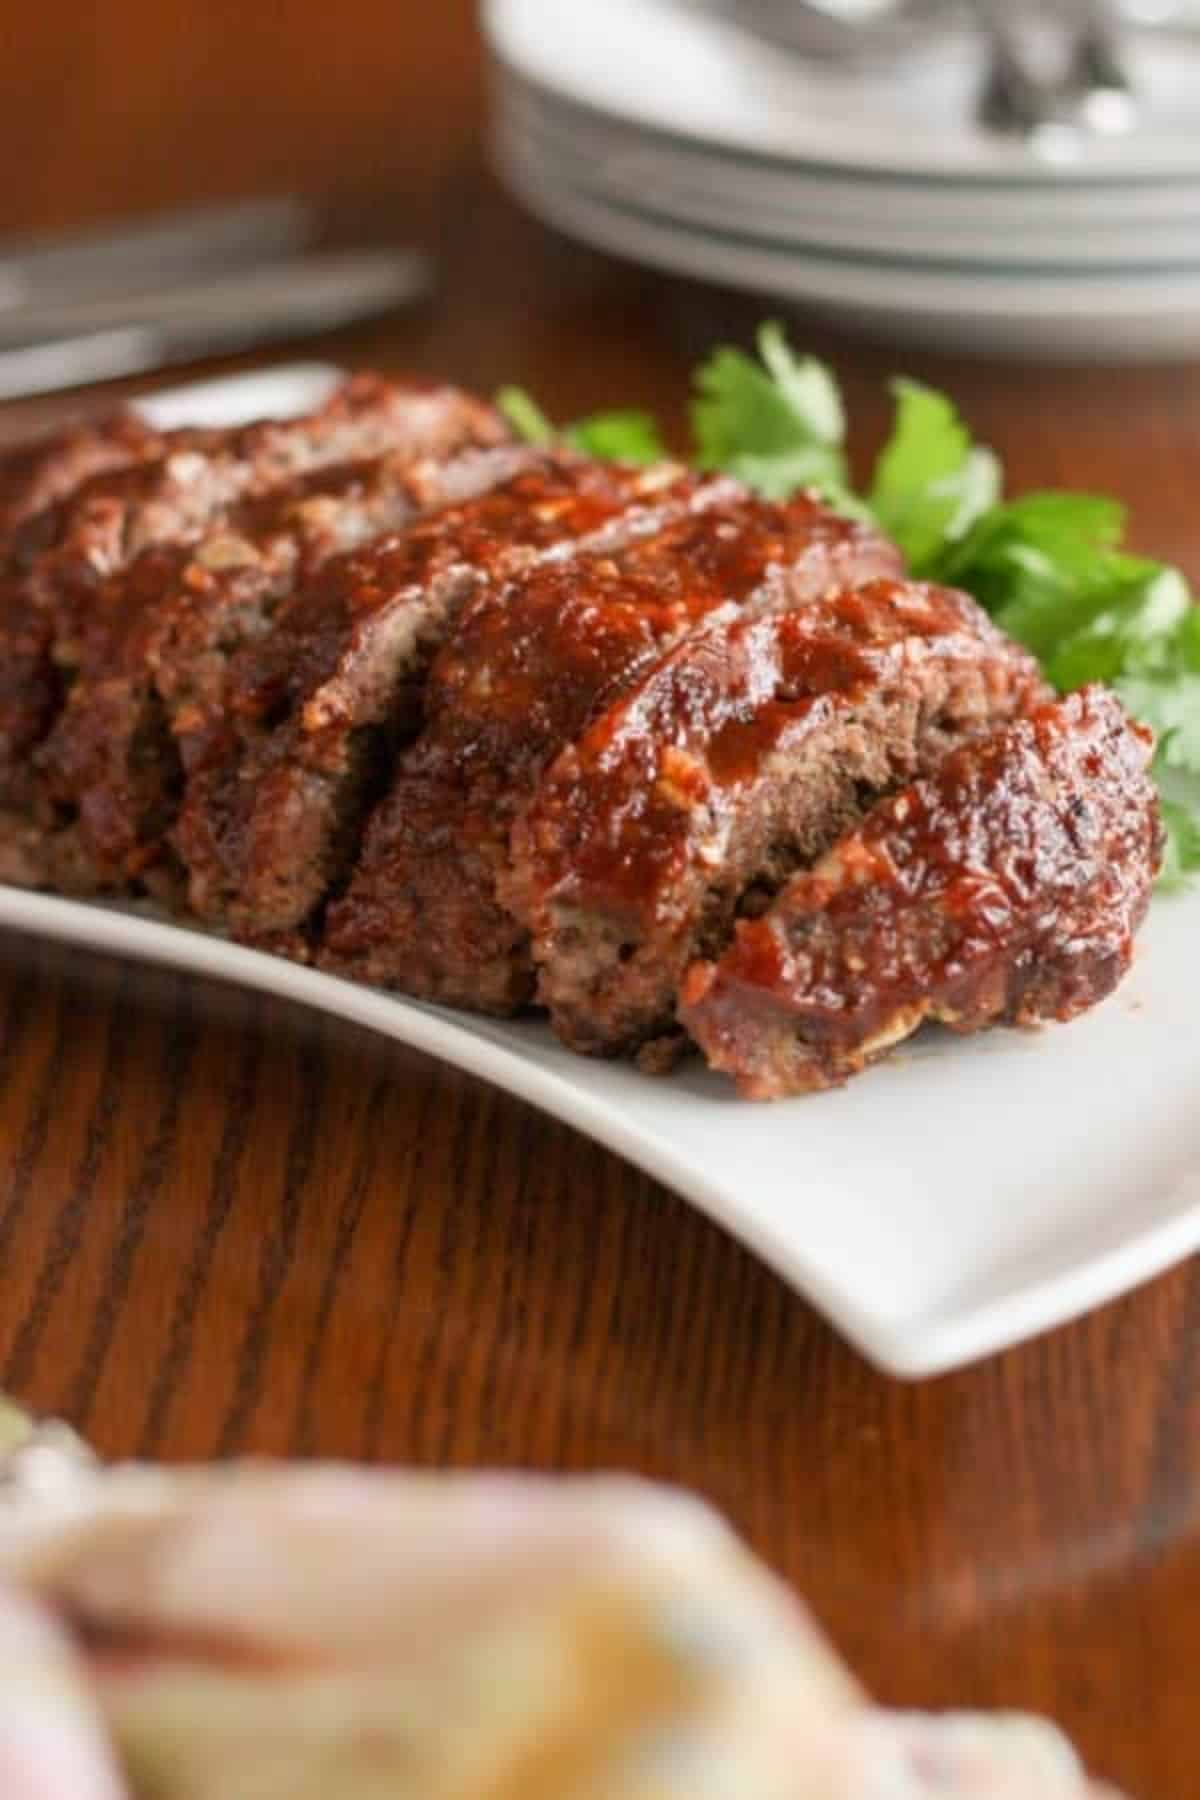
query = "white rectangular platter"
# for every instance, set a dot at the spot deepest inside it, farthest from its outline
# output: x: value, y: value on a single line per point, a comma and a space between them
x: 955, y: 1200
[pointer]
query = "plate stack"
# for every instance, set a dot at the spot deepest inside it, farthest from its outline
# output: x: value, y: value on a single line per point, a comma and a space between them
x: 667, y: 133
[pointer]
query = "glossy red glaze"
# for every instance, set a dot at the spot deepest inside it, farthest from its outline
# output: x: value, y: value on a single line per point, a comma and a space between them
x: 1006, y: 886
x: 521, y: 676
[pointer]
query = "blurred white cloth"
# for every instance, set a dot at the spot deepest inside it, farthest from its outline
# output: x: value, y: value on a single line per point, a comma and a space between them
x: 327, y: 1634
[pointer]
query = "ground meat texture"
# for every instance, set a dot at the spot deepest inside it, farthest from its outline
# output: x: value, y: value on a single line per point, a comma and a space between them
x: 742, y: 753
x: 148, y: 704
x: 61, y: 557
x: 521, y: 677
x: 58, y: 560
x: 34, y: 476
x: 1006, y: 887
x: 327, y: 696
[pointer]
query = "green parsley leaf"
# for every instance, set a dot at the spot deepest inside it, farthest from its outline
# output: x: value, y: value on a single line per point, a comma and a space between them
x: 1181, y: 856
x: 776, y: 424
x: 525, y: 416
x: 629, y: 436
x: 1044, y: 565
x: 1128, y: 633
x: 623, y: 436
x: 1180, y: 797
x: 1160, y: 684
x: 809, y: 388
x: 1170, y: 705
x: 1180, y: 651
x: 931, y: 483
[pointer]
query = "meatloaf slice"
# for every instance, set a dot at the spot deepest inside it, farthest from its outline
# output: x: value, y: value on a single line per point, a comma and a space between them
x: 35, y: 475
x: 738, y: 756
x: 521, y: 677
x: 1006, y: 887
x: 149, y: 700
x: 61, y: 556
x: 326, y: 696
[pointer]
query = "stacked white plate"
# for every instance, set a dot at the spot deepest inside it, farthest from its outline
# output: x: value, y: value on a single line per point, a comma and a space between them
x: 668, y: 133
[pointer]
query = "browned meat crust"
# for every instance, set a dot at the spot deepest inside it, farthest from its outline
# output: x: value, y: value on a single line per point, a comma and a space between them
x: 148, y: 704
x: 739, y: 756
x: 521, y: 677
x: 322, y: 702
x: 33, y: 476
x: 62, y: 557
x: 1004, y: 888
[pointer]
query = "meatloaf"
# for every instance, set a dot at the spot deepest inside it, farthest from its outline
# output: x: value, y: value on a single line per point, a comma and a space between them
x: 59, y: 559
x: 497, y: 726
x: 738, y: 756
x: 526, y: 669
x: 1005, y: 887
x: 322, y: 701
x: 148, y: 703
x: 33, y: 476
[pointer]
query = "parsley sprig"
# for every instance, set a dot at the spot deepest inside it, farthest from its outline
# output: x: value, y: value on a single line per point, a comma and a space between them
x: 1049, y: 567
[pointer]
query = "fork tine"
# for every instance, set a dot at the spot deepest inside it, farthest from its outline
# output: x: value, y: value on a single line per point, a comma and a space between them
x: 1098, y: 77
x: 1012, y: 99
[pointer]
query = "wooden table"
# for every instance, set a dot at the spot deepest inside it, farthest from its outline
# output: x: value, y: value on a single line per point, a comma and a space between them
x: 225, y: 1226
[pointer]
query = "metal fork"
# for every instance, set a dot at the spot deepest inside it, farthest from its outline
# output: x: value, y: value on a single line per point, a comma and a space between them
x: 1094, y: 95
x: 1098, y: 75
x: 1012, y: 100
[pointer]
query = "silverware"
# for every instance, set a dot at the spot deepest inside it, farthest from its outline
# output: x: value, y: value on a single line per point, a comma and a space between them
x: 1055, y: 108
x: 1091, y: 90
x: 1098, y: 81
x: 111, y: 260
x: 238, y: 310
x: 1013, y: 100
x: 316, y: 279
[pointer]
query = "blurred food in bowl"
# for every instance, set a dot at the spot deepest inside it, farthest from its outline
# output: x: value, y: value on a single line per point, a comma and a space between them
x: 324, y: 1633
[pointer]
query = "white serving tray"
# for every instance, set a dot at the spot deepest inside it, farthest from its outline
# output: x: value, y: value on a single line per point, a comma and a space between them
x: 959, y: 1198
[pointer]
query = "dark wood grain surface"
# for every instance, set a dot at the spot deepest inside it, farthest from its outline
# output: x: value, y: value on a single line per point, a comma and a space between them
x: 226, y: 1226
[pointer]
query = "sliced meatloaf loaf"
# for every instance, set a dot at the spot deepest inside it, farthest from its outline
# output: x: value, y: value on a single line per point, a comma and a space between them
x: 323, y: 699
x: 62, y: 556
x: 741, y: 754
x: 524, y: 672
x: 1004, y: 887
x: 58, y: 557
x: 34, y: 476
x: 148, y: 702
